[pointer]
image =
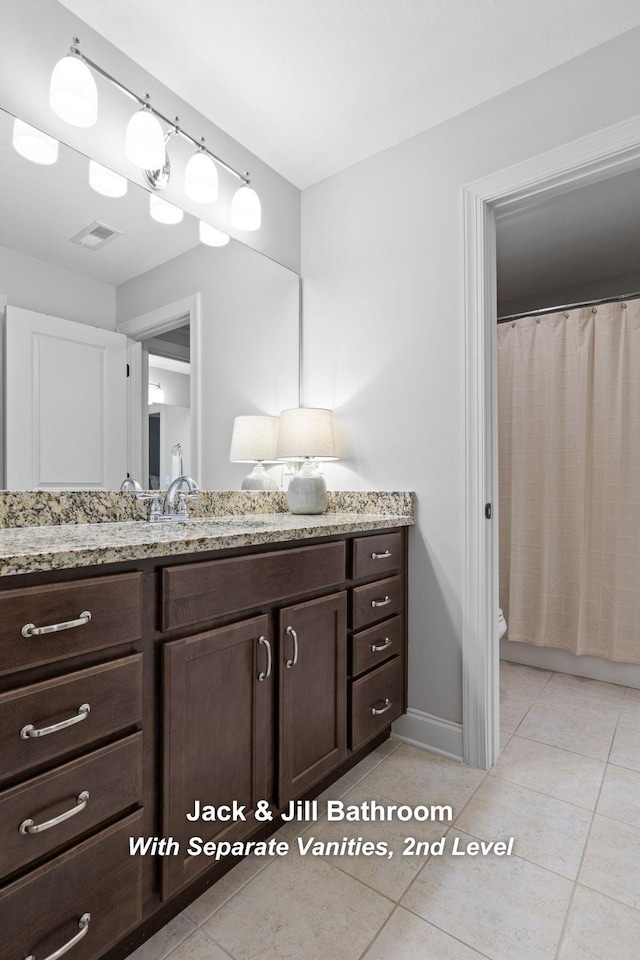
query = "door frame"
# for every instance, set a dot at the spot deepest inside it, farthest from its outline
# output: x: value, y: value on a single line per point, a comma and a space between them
x: 158, y: 321
x: 603, y: 154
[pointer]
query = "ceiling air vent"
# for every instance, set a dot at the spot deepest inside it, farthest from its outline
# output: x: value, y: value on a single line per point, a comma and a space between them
x: 95, y: 235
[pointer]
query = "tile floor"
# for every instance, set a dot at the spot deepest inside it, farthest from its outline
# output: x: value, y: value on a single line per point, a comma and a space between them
x: 566, y: 787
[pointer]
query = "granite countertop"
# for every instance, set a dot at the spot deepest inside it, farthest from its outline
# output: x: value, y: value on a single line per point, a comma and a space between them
x: 27, y: 549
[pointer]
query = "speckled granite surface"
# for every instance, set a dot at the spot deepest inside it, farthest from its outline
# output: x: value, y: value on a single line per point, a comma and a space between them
x: 42, y: 508
x: 39, y: 548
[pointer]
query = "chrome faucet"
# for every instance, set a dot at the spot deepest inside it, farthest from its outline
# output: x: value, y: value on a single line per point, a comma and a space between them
x: 169, y: 510
x: 129, y: 483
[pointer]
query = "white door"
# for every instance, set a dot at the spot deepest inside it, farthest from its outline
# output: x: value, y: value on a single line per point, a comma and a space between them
x: 66, y: 404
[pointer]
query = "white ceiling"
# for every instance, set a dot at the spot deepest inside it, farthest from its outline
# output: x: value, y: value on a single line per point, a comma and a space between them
x: 313, y: 86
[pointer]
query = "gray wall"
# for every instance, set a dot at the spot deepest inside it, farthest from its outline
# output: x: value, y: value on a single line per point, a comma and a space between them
x: 384, y: 326
x: 37, y: 33
x: 249, y: 339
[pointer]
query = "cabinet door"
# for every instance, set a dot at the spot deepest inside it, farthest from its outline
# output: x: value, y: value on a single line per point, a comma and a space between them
x: 313, y: 692
x: 217, y: 700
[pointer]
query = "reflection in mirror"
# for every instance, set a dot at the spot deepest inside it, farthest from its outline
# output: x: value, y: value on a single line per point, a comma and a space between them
x: 103, y: 300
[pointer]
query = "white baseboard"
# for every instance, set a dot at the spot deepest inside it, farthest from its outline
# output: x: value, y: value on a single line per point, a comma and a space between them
x: 430, y: 733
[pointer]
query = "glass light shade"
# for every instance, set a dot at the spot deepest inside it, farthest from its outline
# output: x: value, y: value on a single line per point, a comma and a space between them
x: 156, y: 393
x: 144, y: 141
x: 253, y: 439
x: 201, y: 178
x: 73, y: 94
x: 33, y: 144
x: 163, y: 211
x: 105, y: 181
x: 246, y: 213
x: 306, y: 432
x: 212, y: 237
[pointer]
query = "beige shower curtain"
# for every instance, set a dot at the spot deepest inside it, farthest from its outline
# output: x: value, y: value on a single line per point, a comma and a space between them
x: 569, y: 479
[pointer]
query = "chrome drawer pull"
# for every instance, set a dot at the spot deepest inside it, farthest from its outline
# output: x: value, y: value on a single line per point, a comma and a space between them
x: 387, y: 706
x: 83, y: 930
x: 377, y: 647
x: 291, y: 663
x: 30, y: 731
x: 265, y: 643
x: 30, y: 629
x: 28, y: 826
x: 381, y: 603
x: 381, y: 556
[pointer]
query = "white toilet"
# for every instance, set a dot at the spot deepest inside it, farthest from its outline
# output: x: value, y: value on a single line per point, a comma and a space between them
x: 502, y: 625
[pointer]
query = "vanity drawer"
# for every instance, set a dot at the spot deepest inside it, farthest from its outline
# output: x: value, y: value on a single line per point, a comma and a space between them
x: 203, y: 591
x: 376, y: 601
x: 373, y: 556
x: 379, y: 691
x: 110, y: 777
x: 40, y: 912
x: 371, y: 647
x: 112, y: 690
x: 114, y: 603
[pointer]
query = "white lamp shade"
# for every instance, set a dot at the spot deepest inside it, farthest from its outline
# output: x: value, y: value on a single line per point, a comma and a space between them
x: 306, y: 432
x: 144, y: 142
x: 105, y: 181
x: 33, y: 144
x: 211, y: 236
x: 254, y: 438
x: 201, y: 178
x: 163, y: 211
x: 246, y: 213
x: 73, y: 94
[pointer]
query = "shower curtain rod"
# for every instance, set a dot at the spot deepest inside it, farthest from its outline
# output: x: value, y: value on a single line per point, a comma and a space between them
x: 569, y: 306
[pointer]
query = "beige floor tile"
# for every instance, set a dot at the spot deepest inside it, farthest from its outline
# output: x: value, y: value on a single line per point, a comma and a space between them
x: 630, y: 715
x: 586, y: 687
x: 591, y: 736
x: 611, y: 862
x: 600, y: 929
x: 580, y: 703
x: 416, y: 776
x: 620, y: 795
x: 299, y: 908
x: 165, y: 940
x: 337, y: 790
x: 389, y: 876
x: 558, y: 773
x: 198, y: 946
x: 505, y: 736
x: 523, y: 680
x: 225, y: 888
x: 631, y: 693
x: 513, y: 710
x: 371, y: 761
x: 626, y: 749
x: 407, y: 937
x: 505, y: 907
x: 548, y: 832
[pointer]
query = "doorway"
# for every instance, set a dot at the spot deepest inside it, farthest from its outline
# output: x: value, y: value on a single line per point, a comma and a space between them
x: 604, y: 154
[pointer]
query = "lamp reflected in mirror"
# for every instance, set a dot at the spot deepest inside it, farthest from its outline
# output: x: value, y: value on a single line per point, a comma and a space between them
x: 254, y: 441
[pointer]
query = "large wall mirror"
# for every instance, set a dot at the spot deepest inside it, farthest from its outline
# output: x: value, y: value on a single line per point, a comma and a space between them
x: 129, y: 345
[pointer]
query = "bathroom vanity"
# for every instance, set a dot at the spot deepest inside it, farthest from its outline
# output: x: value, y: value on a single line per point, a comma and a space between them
x: 234, y: 660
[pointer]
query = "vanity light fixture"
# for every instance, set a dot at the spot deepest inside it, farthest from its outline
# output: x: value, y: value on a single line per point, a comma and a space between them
x: 254, y: 441
x: 145, y: 141
x: 163, y: 211
x: 73, y: 94
x: 306, y: 434
x: 156, y: 393
x: 201, y: 177
x: 105, y: 181
x: 212, y: 237
x: 33, y: 144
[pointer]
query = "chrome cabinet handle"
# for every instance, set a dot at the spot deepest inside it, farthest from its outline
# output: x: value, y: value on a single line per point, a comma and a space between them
x: 30, y: 629
x: 381, y: 556
x: 264, y: 674
x: 291, y: 663
x: 83, y: 930
x: 381, y: 603
x: 28, y: 826
x: 387, y: 706
x: 30, y: 731
x: 377, y: 647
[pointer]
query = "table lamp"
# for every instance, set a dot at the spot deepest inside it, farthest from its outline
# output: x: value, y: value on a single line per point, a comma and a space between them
x: 306, y: 436
x: 254, y: 441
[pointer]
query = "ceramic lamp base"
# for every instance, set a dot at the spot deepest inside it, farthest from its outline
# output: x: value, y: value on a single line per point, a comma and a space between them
x: 307, y: 492
x: 259, y: 479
